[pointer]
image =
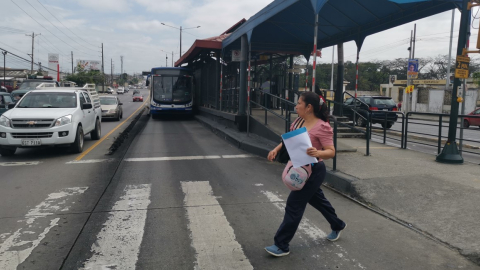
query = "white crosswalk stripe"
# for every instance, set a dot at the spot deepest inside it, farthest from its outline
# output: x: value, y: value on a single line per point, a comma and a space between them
x: 118, y: 243
x: 37, y: 223
x: 212, y: 236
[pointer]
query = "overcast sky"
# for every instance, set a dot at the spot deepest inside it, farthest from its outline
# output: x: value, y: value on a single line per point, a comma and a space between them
x: 133, y: 29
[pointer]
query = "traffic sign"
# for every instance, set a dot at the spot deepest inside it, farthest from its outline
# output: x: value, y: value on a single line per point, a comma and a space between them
x: 461, y: 68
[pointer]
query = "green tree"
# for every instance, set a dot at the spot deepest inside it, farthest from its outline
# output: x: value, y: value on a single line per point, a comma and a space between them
x: 83, y: 77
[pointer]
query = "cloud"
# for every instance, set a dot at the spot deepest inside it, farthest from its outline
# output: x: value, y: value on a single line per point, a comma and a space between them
x: 166, y: 6
x: 106, y: 6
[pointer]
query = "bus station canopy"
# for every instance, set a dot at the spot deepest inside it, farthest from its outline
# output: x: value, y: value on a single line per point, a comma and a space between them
x: 287, y: 26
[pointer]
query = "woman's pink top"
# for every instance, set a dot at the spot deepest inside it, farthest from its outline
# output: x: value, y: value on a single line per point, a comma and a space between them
x: 321, y: 134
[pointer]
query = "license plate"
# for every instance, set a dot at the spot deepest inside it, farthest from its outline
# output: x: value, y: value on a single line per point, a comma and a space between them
x: 31, y: 142
x: 385, y: 109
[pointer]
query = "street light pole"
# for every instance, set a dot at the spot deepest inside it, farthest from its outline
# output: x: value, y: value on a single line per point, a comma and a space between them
x: 180, y: 41
x: 450, y: 153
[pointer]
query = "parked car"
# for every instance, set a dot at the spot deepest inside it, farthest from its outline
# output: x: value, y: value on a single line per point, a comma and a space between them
x: 29, y: 85
x: 121, y: 91
x: 5, y: 99
x: 111, y: 107
x: 3, y: 89
x: 46, y: 117
x: 375, y: 105
x: 470, y: 121
x: 137, y: 97
x: 127, y: 89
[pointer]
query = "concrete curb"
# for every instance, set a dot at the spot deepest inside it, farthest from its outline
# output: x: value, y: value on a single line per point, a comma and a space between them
x: 232, y: 137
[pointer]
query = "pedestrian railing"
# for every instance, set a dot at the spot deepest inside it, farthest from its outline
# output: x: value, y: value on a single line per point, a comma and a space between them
x: 439, y: 137
x: 385, y: 121
x: 285, y: 105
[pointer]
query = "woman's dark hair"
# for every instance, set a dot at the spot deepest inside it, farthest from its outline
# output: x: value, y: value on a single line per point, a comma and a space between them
x: 314, y: 100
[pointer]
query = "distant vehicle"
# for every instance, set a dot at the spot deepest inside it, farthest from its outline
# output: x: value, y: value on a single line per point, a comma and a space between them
x: 120, y: 91
x: 136, y: 91
x: 46, y: 117
x: 171, y: 91
x: 137, y: 97
x: 111, y: 107
x: 374, y: 104
x: 470, y: 121
x: 127, y: 89
x: 3, y: 89
x: 5, y: 99
x: 68, y: 84
x: 29, y: 85
x: 110, y: 90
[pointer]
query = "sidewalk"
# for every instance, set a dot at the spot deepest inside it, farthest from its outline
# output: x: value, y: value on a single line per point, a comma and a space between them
x: 437, y: 199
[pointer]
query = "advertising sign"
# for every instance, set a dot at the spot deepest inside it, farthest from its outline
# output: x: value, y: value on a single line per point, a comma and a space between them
x: 53, y: 61
x: 90, y: 64
x: 412, y: 72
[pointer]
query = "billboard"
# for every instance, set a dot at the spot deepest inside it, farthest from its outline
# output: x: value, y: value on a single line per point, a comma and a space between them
x: 90, y: 64
x: 412, y: 72
x: 53, y: 61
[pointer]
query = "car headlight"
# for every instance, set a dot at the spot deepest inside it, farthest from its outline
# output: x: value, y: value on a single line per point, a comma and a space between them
x: 111, y: 111
x: 4, y: 121
x: 64, y: 120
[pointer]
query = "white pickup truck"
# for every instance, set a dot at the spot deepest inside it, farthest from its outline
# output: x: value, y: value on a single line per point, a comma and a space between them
x: 59, y: 116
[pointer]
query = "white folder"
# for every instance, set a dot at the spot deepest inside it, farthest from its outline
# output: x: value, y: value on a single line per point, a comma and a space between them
x: 297, y: 142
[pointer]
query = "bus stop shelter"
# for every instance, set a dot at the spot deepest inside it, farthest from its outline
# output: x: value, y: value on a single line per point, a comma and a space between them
x: 305, y: 25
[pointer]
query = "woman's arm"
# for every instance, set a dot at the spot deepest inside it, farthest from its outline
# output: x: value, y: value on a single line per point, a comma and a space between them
x: 274, y: 152
x: 327, y: 153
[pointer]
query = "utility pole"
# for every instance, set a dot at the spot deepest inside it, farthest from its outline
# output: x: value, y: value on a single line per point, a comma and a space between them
x: 172, y: 58
x: 4, y: 68
x: 121, y: 60
x: 450, y: 153
x: 33, y: 45
x: 409, y: 80
x: 180, y: 41
x: 166, y: 59
x: 111, y: 71
x: 103, y: 72
x: 450, y: 51
x: 72, y: 62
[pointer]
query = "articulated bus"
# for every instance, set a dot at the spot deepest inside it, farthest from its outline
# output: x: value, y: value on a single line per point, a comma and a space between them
x: 171, y: 91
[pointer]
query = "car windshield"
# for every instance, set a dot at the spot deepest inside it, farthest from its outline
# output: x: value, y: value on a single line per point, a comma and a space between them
x: 108, y: 101
x: 137, y: 95
x: 384, y: 101
x: 32, y: 85
x: 48, y: 100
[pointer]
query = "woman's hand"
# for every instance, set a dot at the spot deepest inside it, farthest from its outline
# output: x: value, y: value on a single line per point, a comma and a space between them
x: 272, y: 155
x: 312, y: 151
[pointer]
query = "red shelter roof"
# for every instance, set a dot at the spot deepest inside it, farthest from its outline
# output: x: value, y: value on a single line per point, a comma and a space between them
x: 212, y: 43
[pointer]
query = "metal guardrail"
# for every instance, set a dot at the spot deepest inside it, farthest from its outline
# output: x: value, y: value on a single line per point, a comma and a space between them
x: 288, y: 106
x: 439, y: 136
x: 385, y: 119
x: 288, y: 121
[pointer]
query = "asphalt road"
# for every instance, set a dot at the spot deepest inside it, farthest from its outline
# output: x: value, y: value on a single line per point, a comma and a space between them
x: 53, y: 153
x: 176, y: 196
x: 471, y: 135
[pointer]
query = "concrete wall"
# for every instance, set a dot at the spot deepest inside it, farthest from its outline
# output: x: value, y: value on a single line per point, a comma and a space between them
x: 435, y: 104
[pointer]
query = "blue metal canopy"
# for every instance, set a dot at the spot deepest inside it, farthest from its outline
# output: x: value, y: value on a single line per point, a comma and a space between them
x: 287, y: 26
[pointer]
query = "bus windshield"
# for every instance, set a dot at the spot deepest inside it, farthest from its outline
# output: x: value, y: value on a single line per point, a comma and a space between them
x: 172, y: 89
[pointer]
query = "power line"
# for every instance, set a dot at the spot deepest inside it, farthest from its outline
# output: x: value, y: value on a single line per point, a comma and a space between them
x: 46, y: 28
x: 65, y: 26
x: 56, y: 26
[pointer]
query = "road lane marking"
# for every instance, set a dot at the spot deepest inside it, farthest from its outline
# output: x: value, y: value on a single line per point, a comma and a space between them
x: 185, y: 158
x: 118, y: 243
x: 37, y: 223
x: 309, y: 229
x: 212, y: 236
x: 110, y: 133
x: 30, y: 163
x: 90, y: 161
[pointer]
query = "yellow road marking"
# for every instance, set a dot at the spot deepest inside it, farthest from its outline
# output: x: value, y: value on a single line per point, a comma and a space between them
x: 110, y: 133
